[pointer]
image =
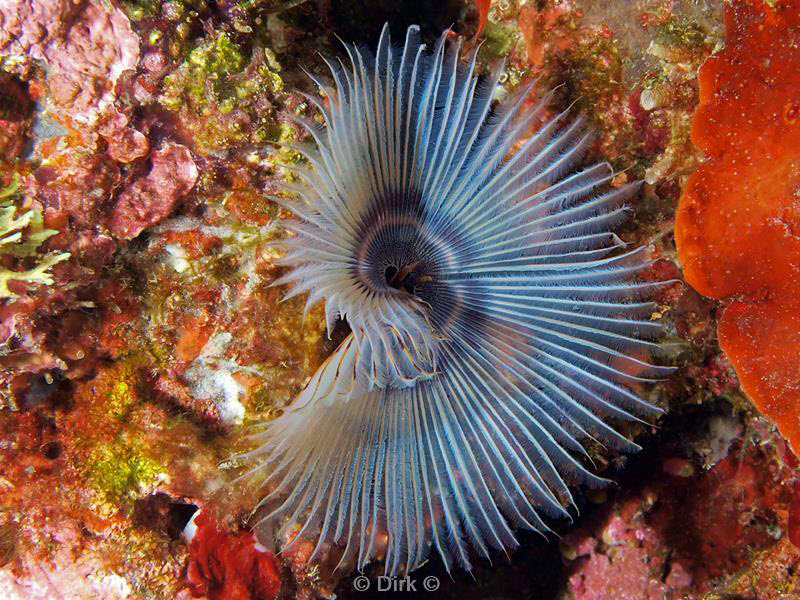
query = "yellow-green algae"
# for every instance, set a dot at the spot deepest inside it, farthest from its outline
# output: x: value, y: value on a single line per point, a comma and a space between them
x: 498, y: 42
x: 141, y: 9
x: 206, y: 89
x: 120, y: 399
x: 121, y: 470
x: 112, y: 455
x: 683, y: 33
x: 278, y: 384
x: 174, y: 10
x: 209, y: 62
x: 594, y: 69
x: 287, y: 156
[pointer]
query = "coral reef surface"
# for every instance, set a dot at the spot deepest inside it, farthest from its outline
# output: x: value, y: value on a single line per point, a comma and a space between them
x: 140, y: 335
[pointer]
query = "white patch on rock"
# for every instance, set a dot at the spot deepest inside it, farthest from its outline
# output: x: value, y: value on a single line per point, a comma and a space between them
x: 211, y: 378
x: 116, y: 585
x: 722, y: 431
x: 177, y: 257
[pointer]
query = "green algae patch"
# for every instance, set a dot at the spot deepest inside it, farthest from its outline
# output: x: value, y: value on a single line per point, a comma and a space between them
x: 287, y: 156
x: 594, y: 69
x: 136, y: 10
x: 208, y: 63
x: 499, y: 41
x: 110, y: 443
x: 683, y: 33
x: 120, y: 399
x: 223, y: 96
x: 112, y: 396
x: 120, y: 471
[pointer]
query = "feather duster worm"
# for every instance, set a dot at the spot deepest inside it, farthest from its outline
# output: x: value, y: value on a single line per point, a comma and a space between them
x: 493, y: 326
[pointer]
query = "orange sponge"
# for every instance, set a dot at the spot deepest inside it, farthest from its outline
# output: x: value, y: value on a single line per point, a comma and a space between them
x: 738, y: 222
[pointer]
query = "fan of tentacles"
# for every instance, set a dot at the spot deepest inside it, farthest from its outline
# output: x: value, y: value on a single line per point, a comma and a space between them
x: 495, y: 322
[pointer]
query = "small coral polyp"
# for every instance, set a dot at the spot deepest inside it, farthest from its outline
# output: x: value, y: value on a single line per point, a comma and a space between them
x: 495, y: 321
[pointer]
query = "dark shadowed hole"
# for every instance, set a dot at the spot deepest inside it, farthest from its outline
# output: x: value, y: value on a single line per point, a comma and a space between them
x: 43, y: 388
x: 392, y: 280
x: 180, y: 514
x: 159, y: 512
x: 341, y: 329
x: 400, y: 280
x: 52, y: 450
x: 362, y: 20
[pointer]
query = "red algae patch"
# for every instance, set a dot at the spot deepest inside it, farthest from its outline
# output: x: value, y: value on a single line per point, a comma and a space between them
x: 738, y: 223
x: 230, y: 566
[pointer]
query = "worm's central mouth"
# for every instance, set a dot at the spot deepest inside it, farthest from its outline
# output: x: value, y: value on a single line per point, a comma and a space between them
x: 394, y: 253
x: 397, y: 256
x: 405, y: 277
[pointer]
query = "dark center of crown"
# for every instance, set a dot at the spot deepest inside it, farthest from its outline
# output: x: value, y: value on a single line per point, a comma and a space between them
x: 404, y: 277
x: 395, y: 254
x: 393, y: 279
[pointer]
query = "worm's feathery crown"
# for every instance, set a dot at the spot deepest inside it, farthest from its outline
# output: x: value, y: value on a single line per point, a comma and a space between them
x: 493, y: 327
